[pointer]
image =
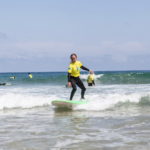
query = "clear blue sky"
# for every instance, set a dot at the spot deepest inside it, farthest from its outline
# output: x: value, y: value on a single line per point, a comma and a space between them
x: 40, y: 35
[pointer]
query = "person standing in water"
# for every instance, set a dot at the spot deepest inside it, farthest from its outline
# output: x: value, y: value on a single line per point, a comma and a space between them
x: 12, y: 77
x: 73, y: 76
x: 30, y: 76
x: 3, y: 83
x: 90, y: 80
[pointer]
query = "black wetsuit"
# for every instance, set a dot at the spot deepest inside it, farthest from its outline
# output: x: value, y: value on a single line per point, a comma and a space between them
x: 2, y: 83
x: 91, y: 84
x: 76, y: 81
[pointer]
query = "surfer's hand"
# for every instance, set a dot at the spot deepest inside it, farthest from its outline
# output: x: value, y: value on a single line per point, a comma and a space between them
x: 91, y: 71
x: 69, y: 84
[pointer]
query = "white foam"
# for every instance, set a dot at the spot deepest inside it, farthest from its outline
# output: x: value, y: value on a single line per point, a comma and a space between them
x: 105, y: 101
x: 100, y: 97
x: 96, y: 102
x: 85, y: 76
x: 11, y: 100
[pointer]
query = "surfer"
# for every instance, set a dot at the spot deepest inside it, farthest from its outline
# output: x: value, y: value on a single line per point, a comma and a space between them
x: 73, y: 76
x: 90, y: 80
x: 12, y: 77
x: 30, y: 76
x: 3, y: 83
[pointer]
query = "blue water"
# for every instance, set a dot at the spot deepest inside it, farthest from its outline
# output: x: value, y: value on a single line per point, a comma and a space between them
x: 60, y: 78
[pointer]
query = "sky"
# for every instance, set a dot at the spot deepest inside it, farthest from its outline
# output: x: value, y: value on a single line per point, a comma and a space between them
x: 40, y: 35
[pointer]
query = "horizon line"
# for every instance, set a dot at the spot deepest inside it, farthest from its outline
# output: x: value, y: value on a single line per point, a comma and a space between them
x: 67, y: 71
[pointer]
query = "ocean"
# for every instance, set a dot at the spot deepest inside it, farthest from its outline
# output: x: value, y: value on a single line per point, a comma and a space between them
x: 116, y: 117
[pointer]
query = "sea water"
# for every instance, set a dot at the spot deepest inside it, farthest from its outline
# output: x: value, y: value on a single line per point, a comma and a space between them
x: 117, y: 116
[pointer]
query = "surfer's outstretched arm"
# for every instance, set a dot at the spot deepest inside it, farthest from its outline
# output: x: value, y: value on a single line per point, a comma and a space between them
x: 84, y: 68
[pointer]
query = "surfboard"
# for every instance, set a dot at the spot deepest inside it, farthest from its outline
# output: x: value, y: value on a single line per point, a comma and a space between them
x: 65, y: 103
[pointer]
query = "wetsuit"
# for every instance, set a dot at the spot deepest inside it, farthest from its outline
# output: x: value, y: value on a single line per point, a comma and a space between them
x: 30, y: 76
x: 73, y: 77
x: 90, y: 80
x: 91, y: 84
x: 2, y: 83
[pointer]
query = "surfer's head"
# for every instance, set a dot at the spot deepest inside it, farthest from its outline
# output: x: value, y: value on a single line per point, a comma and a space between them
x: 73, y: 58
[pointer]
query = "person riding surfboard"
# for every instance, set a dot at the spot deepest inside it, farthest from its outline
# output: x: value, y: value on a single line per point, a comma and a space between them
x: 73, y: 76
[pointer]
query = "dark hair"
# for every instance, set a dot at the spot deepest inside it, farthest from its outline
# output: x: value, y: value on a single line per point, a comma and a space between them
x: 28, y: 73
x: 73, y: 54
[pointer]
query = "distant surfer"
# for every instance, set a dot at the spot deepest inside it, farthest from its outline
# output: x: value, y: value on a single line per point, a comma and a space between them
x: 30, y: 76
x: 90, y: 80
x: 73, y: 76
x: 12, y: 77
x: 3, y: 83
